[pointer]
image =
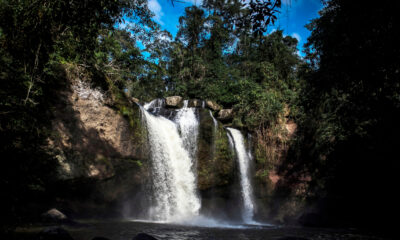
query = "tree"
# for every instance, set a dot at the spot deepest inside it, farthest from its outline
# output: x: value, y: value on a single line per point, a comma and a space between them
x: 351, y: 99
x: 187, y: 64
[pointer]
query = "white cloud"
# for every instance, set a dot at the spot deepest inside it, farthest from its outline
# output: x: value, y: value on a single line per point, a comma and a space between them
x: 155, y: 7
x: 297, y: 36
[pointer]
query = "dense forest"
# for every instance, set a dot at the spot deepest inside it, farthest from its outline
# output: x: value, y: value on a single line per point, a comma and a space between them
x: 344, y: 95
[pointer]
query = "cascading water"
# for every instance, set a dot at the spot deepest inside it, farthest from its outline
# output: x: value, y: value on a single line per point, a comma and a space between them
x: 214, y: 120
x: 173, y: 142
x: 174, y: 182
x: 237, y: 142
x: 189, y: 128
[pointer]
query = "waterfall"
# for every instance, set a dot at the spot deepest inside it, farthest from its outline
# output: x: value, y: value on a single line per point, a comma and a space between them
x: 189, y: 128
x: 214, y: 120
x: 173, y: 179
x: 237, y: 142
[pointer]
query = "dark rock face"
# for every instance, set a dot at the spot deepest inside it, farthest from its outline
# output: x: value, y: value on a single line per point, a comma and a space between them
x: 144, y: 236
x: 54, y: 233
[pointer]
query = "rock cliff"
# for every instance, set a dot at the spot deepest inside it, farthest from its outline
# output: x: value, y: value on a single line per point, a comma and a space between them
x: 100, y: 146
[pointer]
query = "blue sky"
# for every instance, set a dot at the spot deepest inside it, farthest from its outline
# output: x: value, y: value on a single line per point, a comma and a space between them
x: 294, y: 15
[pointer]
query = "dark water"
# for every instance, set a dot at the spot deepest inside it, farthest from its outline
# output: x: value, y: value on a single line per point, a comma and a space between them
x: 126, y: 230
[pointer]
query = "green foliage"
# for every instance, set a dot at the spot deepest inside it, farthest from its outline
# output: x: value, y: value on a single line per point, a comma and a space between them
x: 212, y: 58
x: 349, y: 131
x: 268, y: 80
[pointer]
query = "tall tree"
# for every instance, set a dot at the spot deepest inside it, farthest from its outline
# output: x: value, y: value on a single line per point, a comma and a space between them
x: 190, y: 71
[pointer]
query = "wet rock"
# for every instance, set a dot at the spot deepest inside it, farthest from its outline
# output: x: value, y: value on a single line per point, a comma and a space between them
x: 195, y: 103
x: 213, y: 105
x: 174, y: 101
x: 144, y: 236
x: 225, y: 115
x: 54, y: 233
x: 54, y: 215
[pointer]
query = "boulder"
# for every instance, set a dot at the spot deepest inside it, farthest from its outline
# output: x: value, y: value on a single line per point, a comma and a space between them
x: 54, y: 215
x: 225, y: 114
x: 213, y: 105
x: 57, y: 217
x: 54, y: 233
x: 174, y: 101
x: 144, y: 236
x: 135, y: 100
x: 195, y: 103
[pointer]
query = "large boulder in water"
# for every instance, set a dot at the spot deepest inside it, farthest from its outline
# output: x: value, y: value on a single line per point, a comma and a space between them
x: 54, y: 215
x: 54, y: 233
x: 225, y: 114
x: 213, y: 105
x: 174, y: 101
x: 144, y: 236
x: 57, y: 217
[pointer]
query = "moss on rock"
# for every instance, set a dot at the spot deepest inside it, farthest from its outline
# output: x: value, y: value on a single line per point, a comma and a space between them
x: 215, y: 160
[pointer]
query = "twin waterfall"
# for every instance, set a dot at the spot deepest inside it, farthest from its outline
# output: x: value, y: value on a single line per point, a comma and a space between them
x: 172, y: 137
x: 243, y: 158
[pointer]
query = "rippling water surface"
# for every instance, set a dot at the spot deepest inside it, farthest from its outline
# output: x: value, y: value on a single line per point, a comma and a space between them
x: 126, y: 230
